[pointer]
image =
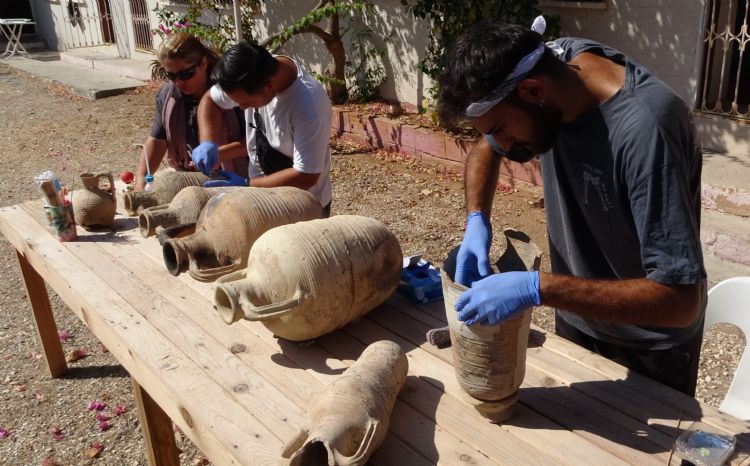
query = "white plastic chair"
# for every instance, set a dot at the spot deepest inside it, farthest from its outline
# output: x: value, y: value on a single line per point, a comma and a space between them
x: 729, y: 301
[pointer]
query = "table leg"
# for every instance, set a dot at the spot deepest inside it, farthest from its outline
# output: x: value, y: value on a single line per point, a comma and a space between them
x: 158, y: 435
x: 14, y: 42
x: 44, y: 320
x: 8, y: 35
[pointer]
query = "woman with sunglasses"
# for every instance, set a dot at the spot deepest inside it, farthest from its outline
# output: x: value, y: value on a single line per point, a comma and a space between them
x: 186, y: 65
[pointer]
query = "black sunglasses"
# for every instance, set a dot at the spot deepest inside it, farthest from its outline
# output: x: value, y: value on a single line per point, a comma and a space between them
x: 182, y: 75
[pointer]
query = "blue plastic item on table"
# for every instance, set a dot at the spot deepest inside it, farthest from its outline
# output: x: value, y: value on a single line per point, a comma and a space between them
x: 420, y: 281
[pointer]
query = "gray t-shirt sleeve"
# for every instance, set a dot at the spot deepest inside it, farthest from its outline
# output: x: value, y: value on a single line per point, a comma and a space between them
x: 157, y: 126
x: 660, y: 198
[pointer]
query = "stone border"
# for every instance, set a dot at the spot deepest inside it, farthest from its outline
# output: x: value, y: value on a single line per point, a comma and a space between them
x: 421, y: 143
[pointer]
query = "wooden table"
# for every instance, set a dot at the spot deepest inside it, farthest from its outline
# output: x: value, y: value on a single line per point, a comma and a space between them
x: 240, y: 394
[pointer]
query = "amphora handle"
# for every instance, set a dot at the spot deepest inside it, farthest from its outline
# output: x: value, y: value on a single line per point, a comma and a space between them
x: 273, y: 310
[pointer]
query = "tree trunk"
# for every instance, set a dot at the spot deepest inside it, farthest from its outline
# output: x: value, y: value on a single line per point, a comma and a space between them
x: 335, y: 47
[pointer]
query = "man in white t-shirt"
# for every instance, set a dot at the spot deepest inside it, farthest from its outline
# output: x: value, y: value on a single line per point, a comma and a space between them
x: 288, y: 116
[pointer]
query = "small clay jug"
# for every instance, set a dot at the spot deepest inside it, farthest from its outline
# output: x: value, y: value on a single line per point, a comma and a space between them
x: 309, y: 278
x: 165, y: 187
x: 95, y: 204
x: 348, y: 420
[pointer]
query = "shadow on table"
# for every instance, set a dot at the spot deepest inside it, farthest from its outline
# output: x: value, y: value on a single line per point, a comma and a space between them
x: 643, y: 419
x: 95, y: 372
x: 296, y: 355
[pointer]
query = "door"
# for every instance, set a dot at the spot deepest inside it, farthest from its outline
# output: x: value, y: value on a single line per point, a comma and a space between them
x: 141, y: 25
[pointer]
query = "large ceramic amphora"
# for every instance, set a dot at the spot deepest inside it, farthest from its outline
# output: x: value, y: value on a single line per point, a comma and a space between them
x: 184, y: 209
x: 165, y: 187
x: 490, y: 361
x: 229, y: 225
x: 348, y: 420
x: 95, y: 204
x: 309, y: 278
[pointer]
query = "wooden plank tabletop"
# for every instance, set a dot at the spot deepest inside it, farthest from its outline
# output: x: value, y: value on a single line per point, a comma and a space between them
x: 240, y: 393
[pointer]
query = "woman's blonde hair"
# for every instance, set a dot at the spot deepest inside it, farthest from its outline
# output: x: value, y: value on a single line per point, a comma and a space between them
x: 183, y: 46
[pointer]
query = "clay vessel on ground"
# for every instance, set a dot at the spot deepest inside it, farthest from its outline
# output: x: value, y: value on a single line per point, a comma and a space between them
x: 95, y: 204
x: 165, y: 187
x: 310, y: 278
x: 349, y: 419
x: 490, y: 361
x: 184, y: 209
x: 229, y: 225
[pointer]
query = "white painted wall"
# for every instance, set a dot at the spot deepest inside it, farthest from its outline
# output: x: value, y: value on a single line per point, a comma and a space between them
x: 47, y: 18
x: 665, y: 36
x: 404, y: 39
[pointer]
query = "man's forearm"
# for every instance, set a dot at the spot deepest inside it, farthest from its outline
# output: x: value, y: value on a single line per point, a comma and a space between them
x: 232, y: 151
x: 480, y: 178
x: 286, y: 177
x: 209, y: 119
x: 637, y: 301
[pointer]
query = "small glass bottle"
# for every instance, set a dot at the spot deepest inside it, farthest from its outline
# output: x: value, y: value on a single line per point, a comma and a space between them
x: 149, y: 180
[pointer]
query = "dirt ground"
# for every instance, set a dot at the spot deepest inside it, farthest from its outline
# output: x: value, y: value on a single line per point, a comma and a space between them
x: 42, y: 128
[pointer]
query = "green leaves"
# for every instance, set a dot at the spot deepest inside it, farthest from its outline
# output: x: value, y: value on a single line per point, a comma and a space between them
x: 219, y: 32
x: 449, y: 18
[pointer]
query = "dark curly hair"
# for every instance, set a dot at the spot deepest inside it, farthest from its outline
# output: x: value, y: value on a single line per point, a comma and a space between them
x: 245, y: 66
x: 480, y: 59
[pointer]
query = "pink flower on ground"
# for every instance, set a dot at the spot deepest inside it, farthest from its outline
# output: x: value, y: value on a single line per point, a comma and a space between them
x: 103, y: 348
x: 96, y: 406
x: 120, y: 410
x: 57, y: 433
x: 104, y: 425
x: 3, y: 433
x: 49, y: 462
x: 64, y: 335
x: 101, y: 417
x: 186, y: 24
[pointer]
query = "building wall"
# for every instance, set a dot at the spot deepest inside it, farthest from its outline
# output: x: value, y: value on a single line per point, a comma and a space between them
x: 47, y: 15
x: 405, y: 43
x: 665, y: 36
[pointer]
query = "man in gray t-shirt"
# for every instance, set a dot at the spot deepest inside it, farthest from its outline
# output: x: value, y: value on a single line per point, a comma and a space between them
x: 621, y: 165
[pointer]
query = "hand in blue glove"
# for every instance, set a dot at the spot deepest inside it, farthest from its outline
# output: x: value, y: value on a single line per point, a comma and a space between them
x: 472, y: 261
x: 222, y: 178
x: 498, y: 298
x: 205, y: 156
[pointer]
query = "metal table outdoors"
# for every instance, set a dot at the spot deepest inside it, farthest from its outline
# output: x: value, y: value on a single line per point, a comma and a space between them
x: 240, y: 394
x: 11, y: 29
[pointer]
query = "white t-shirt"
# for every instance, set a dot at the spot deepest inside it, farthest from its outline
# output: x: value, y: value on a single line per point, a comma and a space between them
x: 297, y: 123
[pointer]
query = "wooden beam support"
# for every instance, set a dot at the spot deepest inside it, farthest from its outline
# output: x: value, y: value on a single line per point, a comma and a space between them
x: 161, y: 448
x: 44, y: 320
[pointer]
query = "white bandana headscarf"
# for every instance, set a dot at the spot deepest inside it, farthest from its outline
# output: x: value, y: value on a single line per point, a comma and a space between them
x: 524, y: 66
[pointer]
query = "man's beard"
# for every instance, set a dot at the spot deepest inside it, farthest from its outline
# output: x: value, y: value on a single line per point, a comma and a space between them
x: 545, y: 129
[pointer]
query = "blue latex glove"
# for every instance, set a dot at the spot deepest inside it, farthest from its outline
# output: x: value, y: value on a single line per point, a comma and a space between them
x: 498, y: 298
x: 472, y: 261
x: 222, y: 178
x: 205, y: 156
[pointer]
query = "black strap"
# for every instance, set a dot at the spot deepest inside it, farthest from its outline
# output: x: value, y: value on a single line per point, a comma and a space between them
x: 269, y: 159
